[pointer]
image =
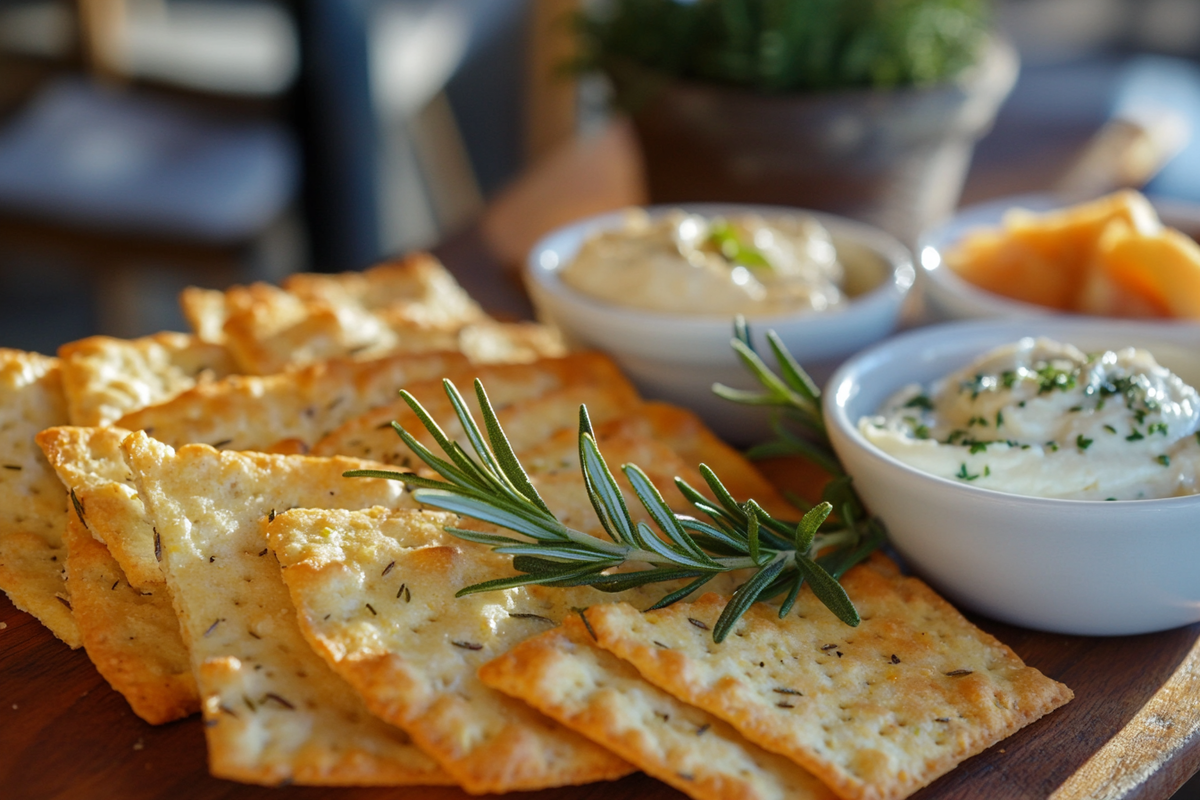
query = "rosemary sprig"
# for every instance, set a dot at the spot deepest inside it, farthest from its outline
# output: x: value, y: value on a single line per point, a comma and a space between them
x: 799, y: 427
x: 492, y: 486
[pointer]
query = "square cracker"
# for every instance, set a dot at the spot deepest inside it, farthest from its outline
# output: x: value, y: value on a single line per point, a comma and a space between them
x: 875, y: 712
x: 205, y: 311
x: 566, y: 676
x: 105, y: 378
x: 533, y: 401
x: 408, y: 306
x: 131, y: 635
x: 413, y: 305
x: 374, y: 593
x: 490, y: 342
x: 239, y: 412
x: 89, y: 462
x: 416, y: 291
x: 245, y: 412
x: 274, y: 712
x: 32, y: 508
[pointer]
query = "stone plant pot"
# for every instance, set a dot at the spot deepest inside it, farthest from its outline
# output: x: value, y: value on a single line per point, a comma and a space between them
x: 895, y: 159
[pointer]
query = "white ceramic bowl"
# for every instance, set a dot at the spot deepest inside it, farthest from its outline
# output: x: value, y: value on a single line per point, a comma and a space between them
x: 677, y: 358
x: 946, y: 296
x: 1066, y: 566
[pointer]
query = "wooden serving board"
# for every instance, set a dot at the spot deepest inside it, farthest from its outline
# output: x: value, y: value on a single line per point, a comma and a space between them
x: 1131, y: 731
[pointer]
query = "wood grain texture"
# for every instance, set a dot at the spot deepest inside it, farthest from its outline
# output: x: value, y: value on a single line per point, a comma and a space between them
x: 1131, y: 731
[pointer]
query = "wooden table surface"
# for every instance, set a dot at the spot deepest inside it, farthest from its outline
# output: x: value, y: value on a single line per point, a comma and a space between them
x: 1133, y: 729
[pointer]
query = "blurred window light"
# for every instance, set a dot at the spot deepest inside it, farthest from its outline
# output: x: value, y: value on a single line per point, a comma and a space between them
x: 227, y: 47
x: 45, y: 29
x: 415, y: 49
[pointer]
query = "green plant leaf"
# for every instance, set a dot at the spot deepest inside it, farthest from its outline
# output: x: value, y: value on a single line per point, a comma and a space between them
x: 828, y: 591
x: 744, y: 597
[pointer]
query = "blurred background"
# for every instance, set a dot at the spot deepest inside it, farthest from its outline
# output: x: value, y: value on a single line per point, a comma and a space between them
x: 150, y: 144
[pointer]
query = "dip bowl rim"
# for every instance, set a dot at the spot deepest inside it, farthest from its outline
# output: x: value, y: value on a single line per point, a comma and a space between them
x: 951, y: 297
x: 834, y: 396
x: 552, y: 252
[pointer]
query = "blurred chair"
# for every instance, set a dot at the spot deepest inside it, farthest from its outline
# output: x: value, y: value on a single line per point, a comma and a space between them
x: 422, y: 110
x: 127, y: 182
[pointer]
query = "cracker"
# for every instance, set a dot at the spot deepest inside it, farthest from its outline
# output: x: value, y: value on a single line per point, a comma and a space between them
x: 375, y: 596
x: 416, y: 292
x: 563, y: 674
x: 510, y: 342
x: 205, y: 311
x: 560, y: 385
x: 131, y: 635
x: 274, y: 712
x: 875, y: 711
x: 32, y: 512
x: 105, y: 378
x: 268, y: 329
x: 413, y: 305
x: 89, y: 462
x: 244, y: 412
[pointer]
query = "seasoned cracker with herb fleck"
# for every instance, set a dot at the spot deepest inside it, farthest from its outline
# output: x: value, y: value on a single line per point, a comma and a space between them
x: 375, y: 592
x: 32, y: 503
x: 273, y: 711
x: 565, y: 675
x: 876, y: 712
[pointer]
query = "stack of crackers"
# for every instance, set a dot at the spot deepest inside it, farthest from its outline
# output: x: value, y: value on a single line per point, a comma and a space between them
x: 176, y: 505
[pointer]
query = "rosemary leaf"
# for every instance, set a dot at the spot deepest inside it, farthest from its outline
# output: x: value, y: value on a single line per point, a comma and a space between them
x: 679, y: 594
x: 790, y: 370
x: 744, y: 597
x: 806, y: 530
x: 622, y: 581
x: 752, y: 538
x: 602, y: 488
x: 716, y: 534
x: 828, y: 590
x: 648, y: 540
x: 528, y: 580
x: 494, y: 513
x: 662, y: 514
x: 555, y: 552
x: 797, y: 579
x: 504, y: 453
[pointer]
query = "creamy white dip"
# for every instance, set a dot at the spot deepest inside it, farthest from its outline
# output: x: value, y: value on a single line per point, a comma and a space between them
x: 719, y: 266
x: 1044, y: 419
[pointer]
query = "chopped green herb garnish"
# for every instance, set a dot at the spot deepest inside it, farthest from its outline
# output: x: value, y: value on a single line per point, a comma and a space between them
x: 1157, y: 427
x: 963, y: 474
x: 1082, y: 443
x: 920, y: 401
x: 1110, y: 429
x: 999, y: 418
x: 1164, y: 459
x: 725, y: 240
x: 1135, y: 436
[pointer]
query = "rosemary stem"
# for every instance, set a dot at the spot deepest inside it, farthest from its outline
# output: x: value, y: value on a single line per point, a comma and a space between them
x: 838, y: 538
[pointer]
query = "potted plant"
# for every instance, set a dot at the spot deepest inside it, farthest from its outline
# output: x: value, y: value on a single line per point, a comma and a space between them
x: 867, y: 108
